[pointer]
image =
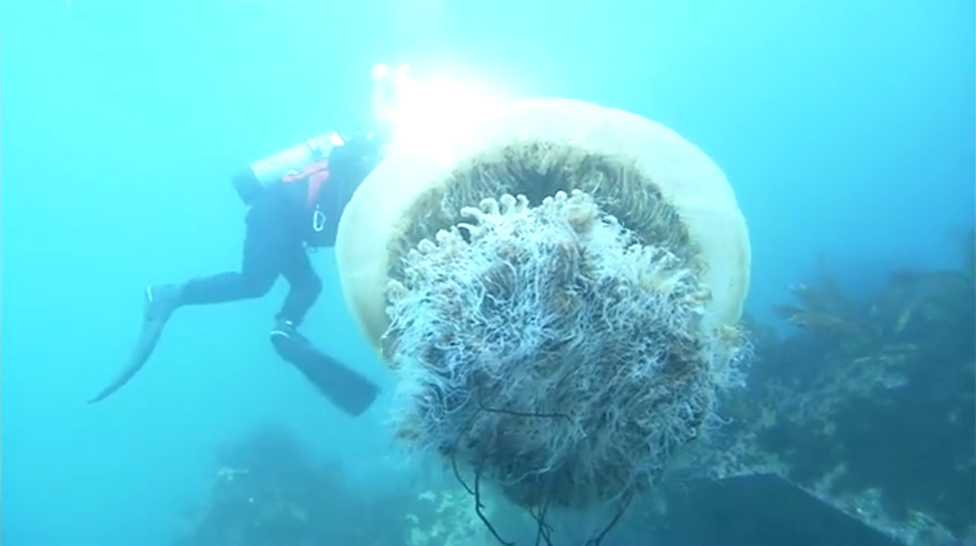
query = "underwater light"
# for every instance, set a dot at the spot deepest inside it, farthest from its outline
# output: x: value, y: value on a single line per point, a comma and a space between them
x: 428, y: 114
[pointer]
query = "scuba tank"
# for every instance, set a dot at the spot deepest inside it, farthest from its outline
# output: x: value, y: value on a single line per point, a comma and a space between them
x: 331, y: 168
x: 391, y: 86
x: 271, y: 170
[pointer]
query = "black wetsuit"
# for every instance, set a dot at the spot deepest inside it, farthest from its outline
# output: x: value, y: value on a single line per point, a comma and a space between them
x: 274, y: 244
x: 279, y: 224
x: 279, y: 228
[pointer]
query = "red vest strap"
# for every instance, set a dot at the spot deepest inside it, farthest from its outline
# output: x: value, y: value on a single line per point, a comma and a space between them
x: 316, y: 173
x: 315, y: 183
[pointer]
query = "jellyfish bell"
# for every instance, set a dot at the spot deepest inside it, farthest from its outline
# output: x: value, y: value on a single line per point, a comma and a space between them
x: 558, y: 290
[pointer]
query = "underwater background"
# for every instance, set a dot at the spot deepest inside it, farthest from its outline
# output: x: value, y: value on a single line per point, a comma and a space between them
x: 845, y: 128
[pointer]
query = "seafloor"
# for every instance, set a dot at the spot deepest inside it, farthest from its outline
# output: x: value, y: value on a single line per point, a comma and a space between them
x: 855, y: 428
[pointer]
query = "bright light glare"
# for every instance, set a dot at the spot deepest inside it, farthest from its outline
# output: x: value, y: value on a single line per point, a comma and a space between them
x: 335, y: 139
x: 428, y: 116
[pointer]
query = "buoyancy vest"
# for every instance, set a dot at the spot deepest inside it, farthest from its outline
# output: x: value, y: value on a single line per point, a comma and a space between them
x: 326, y: 168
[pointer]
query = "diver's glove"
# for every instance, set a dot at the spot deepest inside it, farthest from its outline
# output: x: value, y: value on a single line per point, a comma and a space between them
x: 348, y: 390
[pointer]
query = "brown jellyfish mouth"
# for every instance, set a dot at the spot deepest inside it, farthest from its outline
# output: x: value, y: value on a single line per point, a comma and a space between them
x: 538, y: 169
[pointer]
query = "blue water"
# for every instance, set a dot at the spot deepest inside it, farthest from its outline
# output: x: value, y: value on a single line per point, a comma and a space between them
x: 846, y: 129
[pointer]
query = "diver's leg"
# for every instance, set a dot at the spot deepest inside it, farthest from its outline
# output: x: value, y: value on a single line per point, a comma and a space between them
x: 259, y: 270
x: 304, y: 284
x: 348, y: 390
x: 260, y: 264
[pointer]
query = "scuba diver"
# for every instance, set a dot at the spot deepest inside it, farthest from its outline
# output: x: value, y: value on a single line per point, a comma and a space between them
x: 295, y: 200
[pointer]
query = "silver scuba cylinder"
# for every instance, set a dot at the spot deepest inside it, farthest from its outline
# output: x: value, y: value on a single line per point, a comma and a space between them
x: 270, y: 170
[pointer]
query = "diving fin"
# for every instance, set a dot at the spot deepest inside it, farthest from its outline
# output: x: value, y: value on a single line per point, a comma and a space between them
x: 140, y: 355
x: 160, y: 303
x: 348, y: 390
